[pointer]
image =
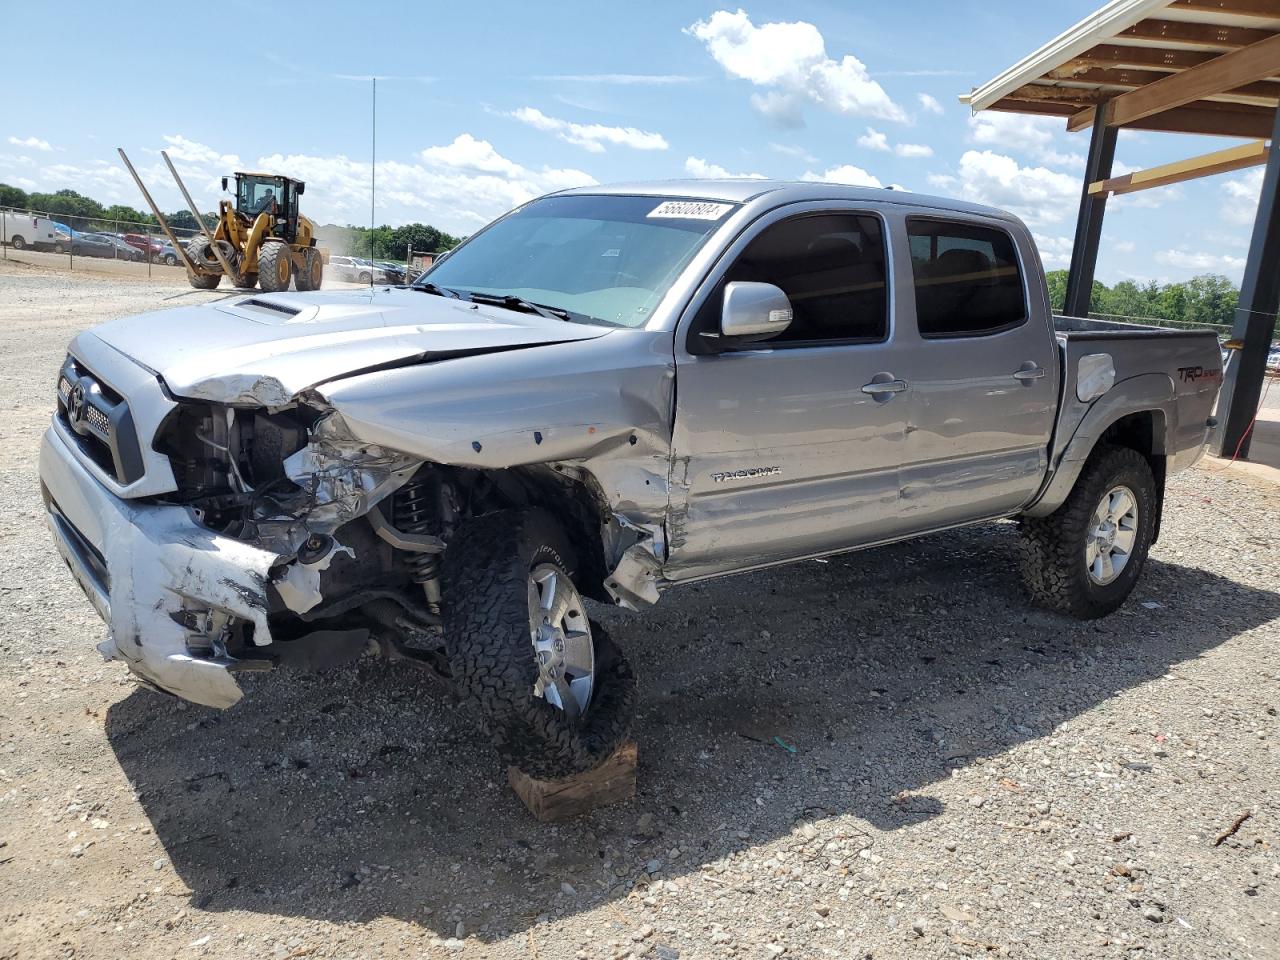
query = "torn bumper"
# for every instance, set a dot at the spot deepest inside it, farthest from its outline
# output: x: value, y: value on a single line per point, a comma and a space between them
x: 151, y: 572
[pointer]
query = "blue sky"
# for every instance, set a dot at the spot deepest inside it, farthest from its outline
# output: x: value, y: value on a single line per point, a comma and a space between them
x: 481, y: 106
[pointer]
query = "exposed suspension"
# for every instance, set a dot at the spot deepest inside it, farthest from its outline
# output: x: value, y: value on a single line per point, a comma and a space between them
x: 417, y: 507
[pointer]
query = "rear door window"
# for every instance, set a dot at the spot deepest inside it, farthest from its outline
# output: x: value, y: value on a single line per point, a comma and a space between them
x: 967, y: 280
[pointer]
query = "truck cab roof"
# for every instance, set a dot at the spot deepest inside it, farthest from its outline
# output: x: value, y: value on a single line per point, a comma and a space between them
x: 780, y: 192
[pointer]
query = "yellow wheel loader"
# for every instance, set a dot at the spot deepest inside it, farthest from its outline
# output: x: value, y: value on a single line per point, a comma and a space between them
x: 261, y: 240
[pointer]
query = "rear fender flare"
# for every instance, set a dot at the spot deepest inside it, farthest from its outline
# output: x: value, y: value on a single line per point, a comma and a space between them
x: 1151, y: 392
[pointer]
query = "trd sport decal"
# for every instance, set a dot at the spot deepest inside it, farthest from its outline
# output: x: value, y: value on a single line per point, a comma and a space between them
x: 1198, y: 373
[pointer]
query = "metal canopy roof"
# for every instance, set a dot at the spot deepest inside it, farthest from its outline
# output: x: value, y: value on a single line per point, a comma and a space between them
x: 1131, y: 45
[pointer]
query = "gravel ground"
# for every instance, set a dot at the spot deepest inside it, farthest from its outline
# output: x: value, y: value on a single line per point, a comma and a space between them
x: 888, y: 754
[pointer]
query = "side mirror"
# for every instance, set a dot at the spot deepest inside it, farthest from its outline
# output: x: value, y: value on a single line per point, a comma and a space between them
x: 753, y: 311
x: 224, y: 184
x: 302, y: 188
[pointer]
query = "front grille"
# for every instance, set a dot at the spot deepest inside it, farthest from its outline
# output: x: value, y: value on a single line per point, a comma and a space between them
x: 99, y: 421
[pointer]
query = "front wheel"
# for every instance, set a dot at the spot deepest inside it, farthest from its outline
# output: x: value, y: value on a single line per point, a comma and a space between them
x: 275, y: 267
x: 170, y: 260
x: 557, y: 698
x: 1085, y: 557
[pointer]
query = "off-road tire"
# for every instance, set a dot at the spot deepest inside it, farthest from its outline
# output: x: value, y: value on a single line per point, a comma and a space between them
x: 198, y: 252
x: 247, y: 281
x: 312, y: 273
x: 1051, y: 550
x: 486, y: 628
x: 269, y: 257
x: 18, y: 242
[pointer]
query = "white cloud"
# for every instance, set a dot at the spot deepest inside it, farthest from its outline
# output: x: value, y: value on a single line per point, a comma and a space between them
x: 468, y: 153
x: 930, y: 104
x: 697, y: 167
x: 846, y: 173
x: 624, y: 79
x: 32, y: 143
x: 1242, y: 196
x: 876, y: 140
x: 457, y: 187
x: 1022, y: 134
x: 1123, y: 246
x: 1202, y: 261
x: 910, y: 150
x: 591, y: 136
x: 1036, y: 194
x: 790, y: 61
x: 1055, y: 252
x: 792, y: 150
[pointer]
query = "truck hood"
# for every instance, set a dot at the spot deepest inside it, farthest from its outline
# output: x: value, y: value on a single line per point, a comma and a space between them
x: 265, y: 349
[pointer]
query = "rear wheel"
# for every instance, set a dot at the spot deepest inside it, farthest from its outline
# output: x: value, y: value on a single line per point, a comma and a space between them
x: 18, y: 242
x: 312, y: 272
x: 275, y: 267
x: 59, y: 248
x: 556, y: 696
x: 247, y: 281
x: 170, y: 260
x: 1086, y: 556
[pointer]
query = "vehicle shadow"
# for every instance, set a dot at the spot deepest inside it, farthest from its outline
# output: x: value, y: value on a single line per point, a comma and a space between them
x: 366, y: 792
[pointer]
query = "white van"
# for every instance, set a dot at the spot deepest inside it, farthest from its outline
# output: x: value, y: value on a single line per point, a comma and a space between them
x: 22, y: 230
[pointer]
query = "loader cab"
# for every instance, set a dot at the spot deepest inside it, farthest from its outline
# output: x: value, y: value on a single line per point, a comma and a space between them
x: 262, y: 193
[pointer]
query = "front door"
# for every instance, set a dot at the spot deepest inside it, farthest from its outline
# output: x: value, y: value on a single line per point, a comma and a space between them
x: 790, y: 447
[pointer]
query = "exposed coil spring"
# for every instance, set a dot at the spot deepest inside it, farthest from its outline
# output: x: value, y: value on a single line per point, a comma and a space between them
x: 413, y: 509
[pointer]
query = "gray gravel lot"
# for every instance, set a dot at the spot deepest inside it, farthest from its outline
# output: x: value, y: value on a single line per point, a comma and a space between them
x: 887, y: 754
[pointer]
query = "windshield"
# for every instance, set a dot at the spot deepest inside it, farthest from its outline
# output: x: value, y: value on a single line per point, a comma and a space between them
x: 258, y: 194
x: 604, y: 259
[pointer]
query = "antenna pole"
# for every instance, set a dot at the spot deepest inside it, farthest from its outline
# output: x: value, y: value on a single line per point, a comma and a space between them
x: 373, y: 173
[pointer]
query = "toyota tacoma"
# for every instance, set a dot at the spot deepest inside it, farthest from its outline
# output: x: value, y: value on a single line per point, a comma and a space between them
x: 604, y: 393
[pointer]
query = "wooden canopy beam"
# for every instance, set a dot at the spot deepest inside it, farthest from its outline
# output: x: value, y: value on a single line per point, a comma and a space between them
x: 1205, y: 165
x: 1212, y: 119
x: 1258, y: 61
x: 1195, y: 36
x: 1261, y: 9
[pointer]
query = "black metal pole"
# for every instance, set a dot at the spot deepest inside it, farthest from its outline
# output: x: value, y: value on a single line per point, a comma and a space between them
x: 1084, y: 252
x: 1255, y: 320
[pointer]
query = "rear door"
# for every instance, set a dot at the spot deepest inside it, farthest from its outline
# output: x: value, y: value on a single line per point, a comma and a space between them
x: 790, y: 447
x: 983, y: 373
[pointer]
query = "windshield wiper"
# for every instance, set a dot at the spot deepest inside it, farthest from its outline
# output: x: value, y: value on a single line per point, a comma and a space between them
x: 436, y: 290
x: 512, y: 302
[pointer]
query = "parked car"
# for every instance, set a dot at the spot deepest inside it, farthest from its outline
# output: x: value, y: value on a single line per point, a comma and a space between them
x: 167, y: 255
x: 696, y: 379
x: 62, y: 237
x: 22, y: 230
x: 1273, y: 360
x: 103, y: 245
x: 356, y: 270
x: 148, y: 245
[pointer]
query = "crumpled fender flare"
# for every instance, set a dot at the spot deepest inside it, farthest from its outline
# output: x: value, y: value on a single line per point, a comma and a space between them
x: 1150, y: 392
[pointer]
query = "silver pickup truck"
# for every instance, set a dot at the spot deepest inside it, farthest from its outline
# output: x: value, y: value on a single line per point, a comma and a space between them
x: 604, y: 393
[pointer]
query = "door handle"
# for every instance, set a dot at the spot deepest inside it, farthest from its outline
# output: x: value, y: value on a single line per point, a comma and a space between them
x: 884, y: 386
x: 1028, y: 373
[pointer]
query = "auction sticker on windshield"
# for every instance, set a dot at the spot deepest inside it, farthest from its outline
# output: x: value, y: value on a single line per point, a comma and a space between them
x: 690, y: 210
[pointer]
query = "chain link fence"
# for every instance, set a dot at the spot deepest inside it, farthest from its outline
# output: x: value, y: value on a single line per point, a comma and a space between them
x: 67, y: 242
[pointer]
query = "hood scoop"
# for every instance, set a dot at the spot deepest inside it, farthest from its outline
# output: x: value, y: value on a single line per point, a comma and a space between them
x: 279, y: 309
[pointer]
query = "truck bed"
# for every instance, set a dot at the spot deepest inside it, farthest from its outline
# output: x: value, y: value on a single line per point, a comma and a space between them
x: 1178, y: 371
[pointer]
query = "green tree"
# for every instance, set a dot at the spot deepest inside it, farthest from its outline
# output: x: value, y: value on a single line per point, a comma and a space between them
x: 126, y: 214
x: 1057, y: 280
x: 1211, y: 299
x: 65, y: 203
x: 12, y: 196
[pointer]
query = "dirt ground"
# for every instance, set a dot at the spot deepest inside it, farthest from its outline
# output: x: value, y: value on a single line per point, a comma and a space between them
x: 888, y: 754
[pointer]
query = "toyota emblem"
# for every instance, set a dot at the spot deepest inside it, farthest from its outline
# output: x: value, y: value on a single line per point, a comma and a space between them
x: 76, y: 408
